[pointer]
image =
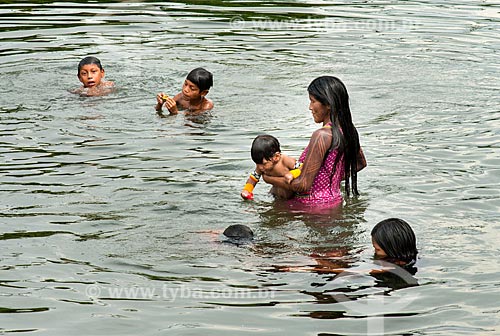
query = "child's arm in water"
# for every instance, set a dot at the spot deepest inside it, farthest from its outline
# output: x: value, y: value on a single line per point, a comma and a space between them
x: 253, y: 179
x: 170, y: 103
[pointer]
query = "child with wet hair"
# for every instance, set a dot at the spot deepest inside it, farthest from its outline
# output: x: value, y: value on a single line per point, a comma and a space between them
x: 394, y: 240
x: 238, y: 234
x: 91, y: 75
x: 192, y: 98
x: 266, y: 153
x: 238, y: 231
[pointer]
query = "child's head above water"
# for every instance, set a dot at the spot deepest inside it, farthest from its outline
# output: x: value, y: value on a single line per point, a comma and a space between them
x: 264, y: 147
x: 202, y: 78
x: 90, y: 71
x: 393, y: 238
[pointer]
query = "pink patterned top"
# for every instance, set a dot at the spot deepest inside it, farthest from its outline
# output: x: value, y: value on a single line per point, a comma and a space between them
x: 325, y: 189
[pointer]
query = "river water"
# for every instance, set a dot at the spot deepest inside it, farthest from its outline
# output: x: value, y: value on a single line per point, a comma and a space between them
x: 111, y: 214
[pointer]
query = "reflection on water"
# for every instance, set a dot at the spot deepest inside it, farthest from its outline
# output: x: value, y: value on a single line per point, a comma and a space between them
x: 104, y: 201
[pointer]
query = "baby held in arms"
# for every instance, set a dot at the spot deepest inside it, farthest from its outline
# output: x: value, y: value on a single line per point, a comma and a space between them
x: 266, y: 153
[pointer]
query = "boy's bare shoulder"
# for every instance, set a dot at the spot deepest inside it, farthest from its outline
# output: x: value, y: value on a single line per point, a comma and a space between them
x: 207, y: 105
x: 103, y: 89
x: 108, y: 84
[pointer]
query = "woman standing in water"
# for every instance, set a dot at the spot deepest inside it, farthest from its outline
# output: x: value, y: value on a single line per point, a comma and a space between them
x: 333, y: 154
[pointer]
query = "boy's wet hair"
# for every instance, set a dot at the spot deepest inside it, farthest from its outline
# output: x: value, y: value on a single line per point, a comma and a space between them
x: 89, y: 60
x: 264, y: 146
x: 202, y: 78
x: 238, y: 232
x: 397, y: 239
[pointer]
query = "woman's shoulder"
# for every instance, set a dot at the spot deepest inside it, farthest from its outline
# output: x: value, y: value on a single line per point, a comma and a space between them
x: 322, y: 133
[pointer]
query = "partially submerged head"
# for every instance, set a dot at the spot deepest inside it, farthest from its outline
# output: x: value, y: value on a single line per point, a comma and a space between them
x: 238, y: 234
x: 393, y: 238
x: 90, y: 71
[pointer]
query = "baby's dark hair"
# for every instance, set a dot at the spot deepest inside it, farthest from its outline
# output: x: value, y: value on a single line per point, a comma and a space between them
x: 264, y: 147
x: 89, y: 60
x: 202, y: 78
x: 397, y: 239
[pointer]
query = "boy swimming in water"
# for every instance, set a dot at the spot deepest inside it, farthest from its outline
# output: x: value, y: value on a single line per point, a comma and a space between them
x: 91, y: 74
x: 192, y: 97
x: 266, y: 153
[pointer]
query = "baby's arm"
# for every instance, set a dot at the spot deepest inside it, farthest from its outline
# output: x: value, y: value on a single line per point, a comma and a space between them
x: 294, y: 167
x: 253, y: 179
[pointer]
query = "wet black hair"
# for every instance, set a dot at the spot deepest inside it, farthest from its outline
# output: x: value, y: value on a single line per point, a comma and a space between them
x: 264, y: 146
x: 397, y: 239
x: 202, y: 78
x: 89, y: 60
x: 238, y: 231
x: 330, y: 91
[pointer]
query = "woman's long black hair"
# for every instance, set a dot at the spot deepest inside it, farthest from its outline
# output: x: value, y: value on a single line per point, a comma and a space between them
x: 330, y: 91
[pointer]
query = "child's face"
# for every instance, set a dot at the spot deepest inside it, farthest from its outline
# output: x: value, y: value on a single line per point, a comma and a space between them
x: 268, y: 165
x: 378, y: 250
x: 191, y: 91
x: 90, y: 75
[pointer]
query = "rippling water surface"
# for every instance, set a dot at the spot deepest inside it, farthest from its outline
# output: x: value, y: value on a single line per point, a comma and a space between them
x: 110, y: 213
